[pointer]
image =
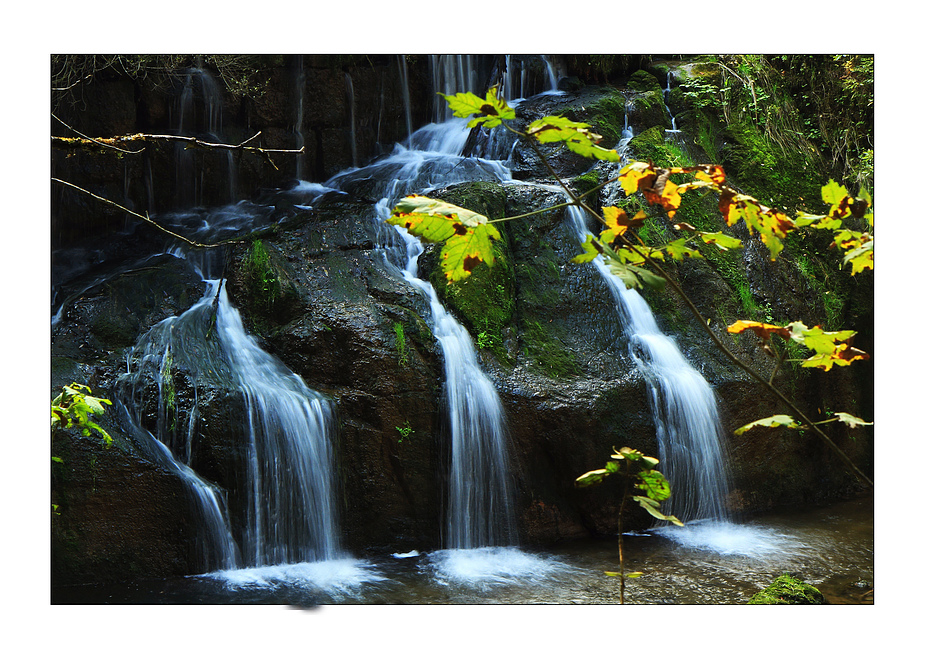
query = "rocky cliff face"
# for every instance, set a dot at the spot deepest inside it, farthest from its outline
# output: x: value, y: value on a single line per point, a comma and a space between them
x: 322, y: 300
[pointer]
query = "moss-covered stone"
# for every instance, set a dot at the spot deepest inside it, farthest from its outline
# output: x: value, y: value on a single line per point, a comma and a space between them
x: 485, y: 299
x: 643, y: 81
x: 788, y: 590
x: 605, y: 115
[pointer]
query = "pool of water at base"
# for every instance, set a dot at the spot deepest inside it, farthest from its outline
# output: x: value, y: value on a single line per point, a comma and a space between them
x: 703, y: 563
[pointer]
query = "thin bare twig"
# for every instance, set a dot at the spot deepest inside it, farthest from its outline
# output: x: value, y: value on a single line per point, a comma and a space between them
x: 147, y: 219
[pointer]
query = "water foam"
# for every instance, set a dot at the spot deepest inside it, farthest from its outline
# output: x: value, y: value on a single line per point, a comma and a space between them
x: 749, y: 540
x: 340, y: 576
x: 487, y: 567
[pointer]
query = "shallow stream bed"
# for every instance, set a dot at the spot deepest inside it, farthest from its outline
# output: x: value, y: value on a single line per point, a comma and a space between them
x: 830, y: 547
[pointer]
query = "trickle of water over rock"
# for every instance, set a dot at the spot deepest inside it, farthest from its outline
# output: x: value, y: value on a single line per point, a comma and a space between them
x: 290, y: 512
x: 688, y: 428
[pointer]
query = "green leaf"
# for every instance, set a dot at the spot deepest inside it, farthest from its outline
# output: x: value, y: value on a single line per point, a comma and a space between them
x: 591, y: 251
x: 462, y: 253
x: 652, y: 507
x: 654, y: 484
x: 861, y: 258
x: 721, y: 240
x: 465, y: 104
x: 593, y: 477
x: 770, y: 422
x: 633, y: 575
x: 468, y: 235
x: 577, y: 137
x: 634, y: 276
x: 678, y: 249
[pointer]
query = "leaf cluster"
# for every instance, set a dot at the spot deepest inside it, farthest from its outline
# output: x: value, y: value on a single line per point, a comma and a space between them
x: 640, y: 470
x: 74, y: 406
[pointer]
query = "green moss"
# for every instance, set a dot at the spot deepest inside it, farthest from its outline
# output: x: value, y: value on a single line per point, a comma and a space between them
x: 546, y: 350
x: 788, y: 590
x: 643, y: 81
x: 605, y: 115
x: 262, y: 281
x: 651, y: 146
x: 484, y: 301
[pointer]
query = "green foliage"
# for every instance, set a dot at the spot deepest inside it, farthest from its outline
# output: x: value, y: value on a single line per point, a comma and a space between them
x: 467, y: 235
x: 74, y: 406
x: 637, y: 263
x: 404, y: 431
x: 637, y: 471
x: 263, y: 281
x: 788, y: 590
x: 400, y: 344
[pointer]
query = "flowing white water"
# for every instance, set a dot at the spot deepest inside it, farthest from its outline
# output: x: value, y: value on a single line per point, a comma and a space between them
x: 287, y: 514
x: 688, y: 428
x: 479, y: 519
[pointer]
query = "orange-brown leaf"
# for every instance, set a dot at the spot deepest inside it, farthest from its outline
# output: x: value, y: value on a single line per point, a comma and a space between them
x: 763, y: 330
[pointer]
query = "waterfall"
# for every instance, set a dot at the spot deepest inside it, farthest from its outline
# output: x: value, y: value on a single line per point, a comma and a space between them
x: 199, y: 112
x: 288, y: 486
x: 405, y: 94
x: 352, y: 132
x: 688, y: 428
x: 665, y: 94
x: 480, y: 510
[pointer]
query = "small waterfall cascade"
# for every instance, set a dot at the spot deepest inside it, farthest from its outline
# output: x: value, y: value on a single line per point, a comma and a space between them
x: 480, y: 508
x: 199, y: 114
x: 452, y: 74
x: 688, y: 428
x: 288, y: 487
x: 405, y: 93
x: 299, y: 115
x: 665, y: 93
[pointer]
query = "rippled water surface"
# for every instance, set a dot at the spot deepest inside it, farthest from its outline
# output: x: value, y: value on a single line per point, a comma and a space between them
x: 702, y: 563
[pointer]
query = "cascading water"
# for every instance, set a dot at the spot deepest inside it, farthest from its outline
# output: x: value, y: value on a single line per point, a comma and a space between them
x: 684, y: 406
x: 290, y: 514
x: 199, y: 111
x: 665, y: 94
x: 480, y: 511
x: 479, y: 519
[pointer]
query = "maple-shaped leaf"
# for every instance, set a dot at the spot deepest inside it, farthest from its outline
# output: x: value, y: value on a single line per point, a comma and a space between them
x: 637, y: 175
x: 467, y: 103
x: 838, y: 198
x: 463, y: 252
x: 861, y: 258
x: 664, y: 192
x: 468, y: 235
x: 678, y: 250
x: 592, y: 251
x: 433, y: 220
x: 771, y: 224
x: 763, y: 330
x: 831, y: 348
x: 770, y: 422
x: 634, y: 276
x: 618, y: 222
x: 577, y: 136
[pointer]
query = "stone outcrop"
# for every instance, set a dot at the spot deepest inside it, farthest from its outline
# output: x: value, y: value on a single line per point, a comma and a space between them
x: 354, y: 330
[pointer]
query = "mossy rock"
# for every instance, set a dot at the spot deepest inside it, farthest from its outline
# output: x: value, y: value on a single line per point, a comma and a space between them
x: 788, y: 590
x: 605, y: 114
x: 643, y: 81
x: 484, y: 300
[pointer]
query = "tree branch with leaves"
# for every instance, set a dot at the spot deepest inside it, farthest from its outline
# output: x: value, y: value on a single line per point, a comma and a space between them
x: 468, y: 236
